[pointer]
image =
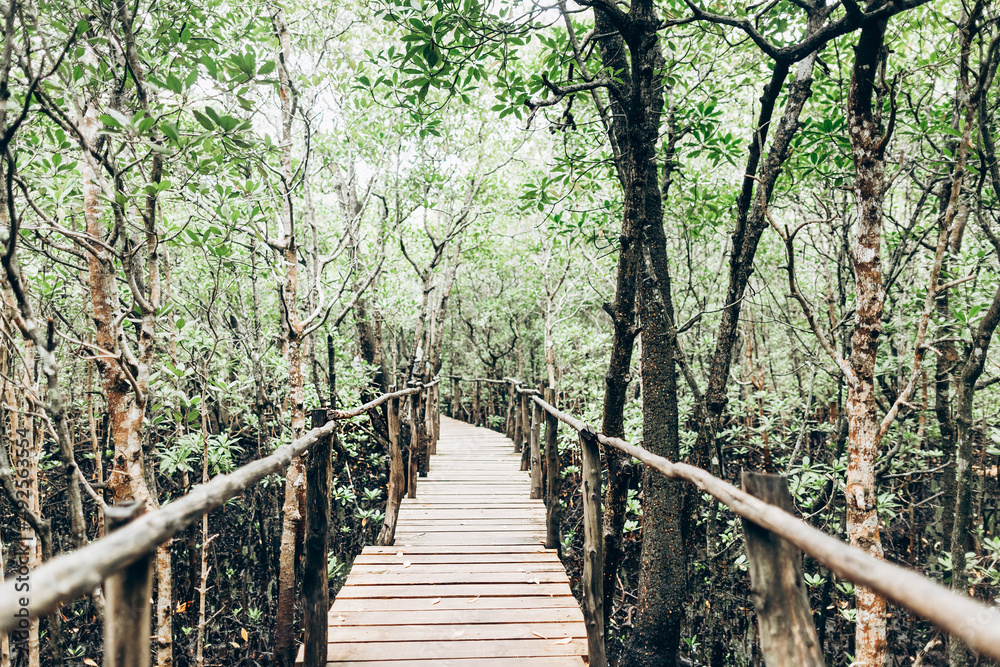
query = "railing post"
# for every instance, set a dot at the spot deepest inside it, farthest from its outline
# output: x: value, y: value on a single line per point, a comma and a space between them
x: 456, y: 398
x: 552, y: 477
x: 593, y: 548
x: 415, y: 427
x: 477, y: 419
x: 518, y: 420
x: 437, y: 415
x: 316, y: 547
x: 787, y: 634
x: 397, y: 479
x: 525, y: 432
x: 536, y: 451
x: 429, y: 402
x: 128, y: 613
x: 511, y: 422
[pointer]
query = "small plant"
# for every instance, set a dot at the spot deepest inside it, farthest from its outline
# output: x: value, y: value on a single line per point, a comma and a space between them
x: 849, y: 614
x: 814, y: 580
x: 335, y: 568
x: 182, y: 456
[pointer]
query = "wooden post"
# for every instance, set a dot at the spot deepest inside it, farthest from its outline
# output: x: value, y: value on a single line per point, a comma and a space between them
x: 593, y: 548
x: 316, y: 547
x: 437, y: 415
x: 456, y: 399
x: 536, y: 451
x: 397, y: 478
x: 552, y: 478
x: 423, y: 428
x: 787, y: 634
x: 430, y: 408
x: 477, y: 419
x: 128, y: 613
x: 516, y: 408
x: 331, y: 355
x: 411, y: 485
x: 525, y: 432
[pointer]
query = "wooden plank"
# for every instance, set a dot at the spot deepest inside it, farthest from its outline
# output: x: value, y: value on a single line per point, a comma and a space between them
x: 469, y: 526
x: 455, y: 631
x: 534, y: 661
x: 462, y: 549
x: 505, y: 539
x: 432, y: 592
x: 487, y: 648
x: 455, y: 514
x: 521, y: 559
x: 468, y: 604
x: 403, y: 576
x: 437, y: 616
x: 402, y: 569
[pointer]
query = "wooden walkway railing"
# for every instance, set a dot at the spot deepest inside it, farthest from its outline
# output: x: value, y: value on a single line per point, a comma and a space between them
x: 775, y: 538
x: 774, y: 535
x: 122, y: 559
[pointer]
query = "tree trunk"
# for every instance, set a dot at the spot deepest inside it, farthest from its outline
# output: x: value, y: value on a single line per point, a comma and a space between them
x: 863, y: 423
x: 662, y: 570
x: 284, y: 636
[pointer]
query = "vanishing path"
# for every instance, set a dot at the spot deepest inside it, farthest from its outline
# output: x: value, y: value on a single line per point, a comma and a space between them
x: 468, y: 582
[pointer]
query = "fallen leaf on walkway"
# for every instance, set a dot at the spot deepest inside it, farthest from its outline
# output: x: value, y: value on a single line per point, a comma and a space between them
x: 436, y: 601
x: 538, y: 634
x: 564, y: 640
x: 471, y: 600
x: 399, y: 554
x: 406, y: 564
x: 459, y: 633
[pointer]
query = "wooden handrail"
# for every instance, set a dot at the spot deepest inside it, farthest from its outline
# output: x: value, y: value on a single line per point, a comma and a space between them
x: 75, y: 574
x: 465, y: 379
x: 371, y: 405
x: 977, y: 624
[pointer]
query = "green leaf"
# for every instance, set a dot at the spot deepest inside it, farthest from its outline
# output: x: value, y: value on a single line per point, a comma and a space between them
x: 109, y: 121
x: 174, y: 84
x: 201, y: 118
x: 170, y: 131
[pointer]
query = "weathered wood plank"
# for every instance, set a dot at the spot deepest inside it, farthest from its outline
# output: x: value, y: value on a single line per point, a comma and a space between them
x: 459, y: 548
x: 468, y: 604
x: 536, y: 661
x: 437, y: 616
x: 405, y: 577
x: 410, y: 568
x: 523, y: 559
x: 487, y: 648
x: 457, y: 631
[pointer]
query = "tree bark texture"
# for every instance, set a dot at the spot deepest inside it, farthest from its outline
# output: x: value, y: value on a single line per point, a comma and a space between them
x: 787, y: 634
x: 863, y: 422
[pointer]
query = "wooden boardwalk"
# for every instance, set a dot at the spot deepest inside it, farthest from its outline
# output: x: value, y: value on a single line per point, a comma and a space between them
x: 469, y: 582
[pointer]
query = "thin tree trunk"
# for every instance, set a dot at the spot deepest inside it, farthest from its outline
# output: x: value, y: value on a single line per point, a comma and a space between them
x: 868, y: 145
x: 284, y: 636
